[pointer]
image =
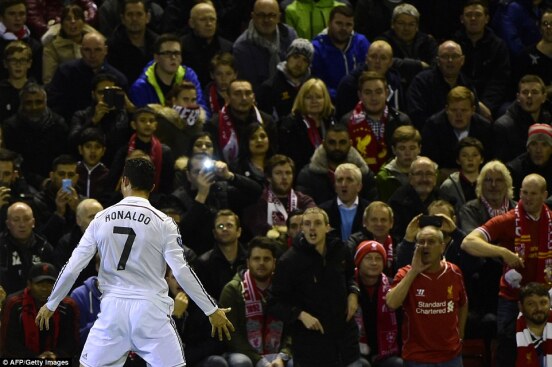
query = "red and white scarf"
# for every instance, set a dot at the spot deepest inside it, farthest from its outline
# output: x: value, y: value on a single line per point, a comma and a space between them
x: 228, y: 137
x: 312, y: 132
x: 276, y: 212
x: 523, y: 240
x: 32, y: 338
x: 526, y: 353
x: 213, y: 99
x: 504, y: 207
x: 264, y: 333
x: 388, y: 246
x: 387, y: 329
x: 155, y: 153
x: 370, y: 143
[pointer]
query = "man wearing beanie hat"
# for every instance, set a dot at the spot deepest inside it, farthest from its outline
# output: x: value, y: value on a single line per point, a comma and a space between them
x: 537, y: 159
x: 20, y: 335
x: 377, y: 323
x: 276, y: 95
x: 435, y: 306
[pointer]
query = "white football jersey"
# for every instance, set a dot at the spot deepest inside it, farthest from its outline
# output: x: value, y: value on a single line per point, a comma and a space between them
x: 135, y: 242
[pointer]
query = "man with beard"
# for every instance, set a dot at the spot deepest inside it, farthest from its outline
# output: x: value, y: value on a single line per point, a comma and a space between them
x: 534, y: 327
x: 21, y: 337
x: 278, y: 198
x: 277, y: 94
x: 434, y: 302
x: 317, y: 179
x: 259, y: 337
x: 414, y: 198
x: 35, y: 132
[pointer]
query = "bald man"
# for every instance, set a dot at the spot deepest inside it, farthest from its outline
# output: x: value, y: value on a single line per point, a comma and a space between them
x: 523, y: 239
x: 85, y: 212
x: 260, y: 48
x: 428, y: 91
x: 20, y: 247
x: 203, y: 43
x: 378, y: 59
x: 69, y: 90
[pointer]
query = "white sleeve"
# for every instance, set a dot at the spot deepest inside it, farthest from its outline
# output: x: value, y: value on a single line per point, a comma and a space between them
x: 79, y: 259
x: 186, y: 277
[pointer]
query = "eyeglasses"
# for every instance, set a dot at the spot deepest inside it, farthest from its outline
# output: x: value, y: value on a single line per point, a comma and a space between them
x: 13, y: 61
x: 269, y: 16
x: 171, y: 54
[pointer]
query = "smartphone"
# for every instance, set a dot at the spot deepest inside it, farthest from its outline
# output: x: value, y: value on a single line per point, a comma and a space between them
x: 66, y: 184
x: 208, y: 165
x: 114, y: 97
x: 430, y: 220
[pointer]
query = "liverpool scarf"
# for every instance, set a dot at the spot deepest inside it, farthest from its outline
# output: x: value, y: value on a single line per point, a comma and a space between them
x: 264, y: 333
x: 32, y: 337
x: 527, y: 345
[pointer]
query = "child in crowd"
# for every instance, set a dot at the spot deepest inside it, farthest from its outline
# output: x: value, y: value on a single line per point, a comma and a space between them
x: 17, y: 61
x: 459, y: 187
x: 223, y: 71
x: 406, y: 144
x: 92, y: 172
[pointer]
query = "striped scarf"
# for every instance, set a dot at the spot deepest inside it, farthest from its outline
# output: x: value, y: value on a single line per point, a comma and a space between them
x: 527, y: 345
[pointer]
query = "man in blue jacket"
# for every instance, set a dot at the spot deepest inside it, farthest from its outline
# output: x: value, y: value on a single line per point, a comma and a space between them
x: 338, y: 50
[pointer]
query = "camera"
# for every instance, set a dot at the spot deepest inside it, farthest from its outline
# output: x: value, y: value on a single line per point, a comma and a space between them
x: 430, y: 220
x: 114, y: 97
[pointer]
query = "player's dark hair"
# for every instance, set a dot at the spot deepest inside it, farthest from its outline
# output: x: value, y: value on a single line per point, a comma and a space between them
x: 140, y: 173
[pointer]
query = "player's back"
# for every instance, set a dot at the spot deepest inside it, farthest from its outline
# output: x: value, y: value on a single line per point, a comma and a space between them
x: 131, y: 237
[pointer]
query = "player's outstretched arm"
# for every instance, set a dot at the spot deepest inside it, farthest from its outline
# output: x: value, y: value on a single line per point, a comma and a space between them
x: 43, y: 318
x: 220, y: 324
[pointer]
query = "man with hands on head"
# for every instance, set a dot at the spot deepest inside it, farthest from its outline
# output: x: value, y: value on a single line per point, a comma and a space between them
x: 434, y: 302
x: 135, y: 299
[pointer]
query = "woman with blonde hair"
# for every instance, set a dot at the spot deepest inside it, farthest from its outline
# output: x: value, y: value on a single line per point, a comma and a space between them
x: 305, y: 128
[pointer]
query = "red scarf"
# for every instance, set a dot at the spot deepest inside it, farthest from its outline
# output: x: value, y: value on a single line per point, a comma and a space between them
x: 155, y: 153
x: 526, y: 353
x: 386, y: 324
x: 312, y: 131
x: 228, y: 138
x: 388, y: 246
x: 32, y: 338
x: 213, y: 99
x: 542, y: 258
x: 371, y: 145
x: 264, y: 333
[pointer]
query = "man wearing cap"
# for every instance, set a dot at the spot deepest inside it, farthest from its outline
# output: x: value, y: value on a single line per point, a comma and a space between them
x: 435, y: 306
x: 20, y: 336
x: 377, y: 323
x: 20, y: 247
x: 276, y: 95
x: 522, y: 238
x: 536, y: 159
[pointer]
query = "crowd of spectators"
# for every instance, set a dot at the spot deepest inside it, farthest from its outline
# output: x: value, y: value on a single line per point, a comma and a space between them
x: 378, y: 111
